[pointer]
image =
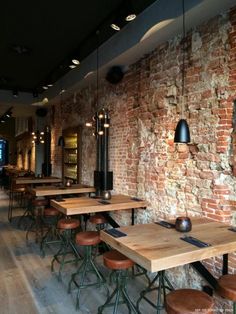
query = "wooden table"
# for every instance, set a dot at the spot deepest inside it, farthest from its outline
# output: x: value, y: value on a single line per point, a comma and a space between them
x: 157, y: 248
x: 36, y: 180
x: 86, y: 205
x: 55, y: 190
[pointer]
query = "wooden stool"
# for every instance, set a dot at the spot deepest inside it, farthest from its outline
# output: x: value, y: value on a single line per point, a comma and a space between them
x: 119, y: 264
x: 99, y: 220
x: 35, y: 212
x: 50, y: 219
x: 67, y: 226
x: 188, y: 301
x: 87, y: 239
x: 227, y: 289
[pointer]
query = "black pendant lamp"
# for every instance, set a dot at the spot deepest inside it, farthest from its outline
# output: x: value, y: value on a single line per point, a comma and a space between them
x: 61, y: 140
x: 182, y: 134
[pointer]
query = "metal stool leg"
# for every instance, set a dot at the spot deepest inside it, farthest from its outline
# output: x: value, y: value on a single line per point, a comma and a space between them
x: 163, y: 284
x: 66, y: 248
x: 51, y: 236
x: 120, y: 294
x: 78, y: 278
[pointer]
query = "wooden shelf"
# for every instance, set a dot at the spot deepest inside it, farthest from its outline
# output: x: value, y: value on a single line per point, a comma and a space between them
x: 70, y: 147
x: 70, y: 177
x: 70, y: 163
x: 71, y: 154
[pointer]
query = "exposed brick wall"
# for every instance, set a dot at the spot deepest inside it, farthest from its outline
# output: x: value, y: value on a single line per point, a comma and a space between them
x: 145, y: 107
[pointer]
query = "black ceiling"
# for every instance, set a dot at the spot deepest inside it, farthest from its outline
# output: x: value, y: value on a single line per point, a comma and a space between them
x: 39, y: 39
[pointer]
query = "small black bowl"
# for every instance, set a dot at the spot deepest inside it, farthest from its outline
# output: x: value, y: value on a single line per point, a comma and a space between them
x: 183, y: 224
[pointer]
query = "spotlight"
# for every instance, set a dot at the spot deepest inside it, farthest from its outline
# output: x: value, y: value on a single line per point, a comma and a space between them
x: 117, y: 23
x: 75, y: 61
x: 8, y: 114
x: 130, y: 14
x: 15, y: 93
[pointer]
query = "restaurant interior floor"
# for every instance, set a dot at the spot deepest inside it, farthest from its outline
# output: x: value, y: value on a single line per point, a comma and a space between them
x: 28, y: 286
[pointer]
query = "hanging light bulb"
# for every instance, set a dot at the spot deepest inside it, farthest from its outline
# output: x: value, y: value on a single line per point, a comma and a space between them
x: 182, y: 134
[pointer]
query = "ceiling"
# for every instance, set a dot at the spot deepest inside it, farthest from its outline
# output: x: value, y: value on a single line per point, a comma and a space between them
x: 39, y: 39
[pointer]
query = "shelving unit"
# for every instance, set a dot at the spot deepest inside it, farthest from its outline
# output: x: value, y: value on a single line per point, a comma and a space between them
x: 71, y: 155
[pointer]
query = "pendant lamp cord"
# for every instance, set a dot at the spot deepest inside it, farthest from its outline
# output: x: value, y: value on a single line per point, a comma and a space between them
x: 97, y: 61
x: 183, y: 64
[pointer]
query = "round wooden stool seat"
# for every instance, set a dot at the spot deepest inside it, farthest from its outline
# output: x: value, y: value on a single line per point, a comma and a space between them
x: 115, y: 260
x: 88, y: 238
x: 227, y: 287
x: 39, y: 202
x: 188, y: 301
x: 68, y: 224
x: 97, y: 219
x: 51, y: 211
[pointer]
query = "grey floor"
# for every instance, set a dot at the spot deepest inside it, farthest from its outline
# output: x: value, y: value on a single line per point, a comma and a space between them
x: 28, y: 286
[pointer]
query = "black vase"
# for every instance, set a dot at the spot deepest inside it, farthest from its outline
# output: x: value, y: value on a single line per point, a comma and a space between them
x: 183, y: 224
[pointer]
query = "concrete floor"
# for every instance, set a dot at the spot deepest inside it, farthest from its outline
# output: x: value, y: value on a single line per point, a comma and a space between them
x: 29, y: 287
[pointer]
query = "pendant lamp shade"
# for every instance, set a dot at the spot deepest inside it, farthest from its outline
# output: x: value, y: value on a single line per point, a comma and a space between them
x: 61, y: 141
x: 182, y: 134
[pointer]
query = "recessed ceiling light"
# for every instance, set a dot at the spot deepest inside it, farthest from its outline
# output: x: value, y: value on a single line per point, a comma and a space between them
x: 50, y: 85
x: 62, y: 91
x: 75, y: 61
x: 115, y: 27
x: 72, y: 66
x: 45, y: 87
x: 130, y: 17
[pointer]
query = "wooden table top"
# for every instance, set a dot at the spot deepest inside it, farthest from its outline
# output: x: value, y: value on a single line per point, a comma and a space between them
x: 36, y: 180
x: 157, y: 248
x: 55, y: 190
x: 86, y: 205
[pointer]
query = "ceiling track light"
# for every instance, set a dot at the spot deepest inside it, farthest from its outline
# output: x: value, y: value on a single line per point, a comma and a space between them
x: 115, y: 26
x: 75, y: 61
x: 130, y: 13
x: 6, y: 115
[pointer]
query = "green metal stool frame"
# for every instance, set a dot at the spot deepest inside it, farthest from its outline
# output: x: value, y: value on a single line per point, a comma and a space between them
x: 102, y: 247
x: 34, y: 209
x: 163, y: 285
x: 67, y: 247
x: 52, y: 235
x: 87, y: 266
x: 120, y: 291
x: 120, y: 266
